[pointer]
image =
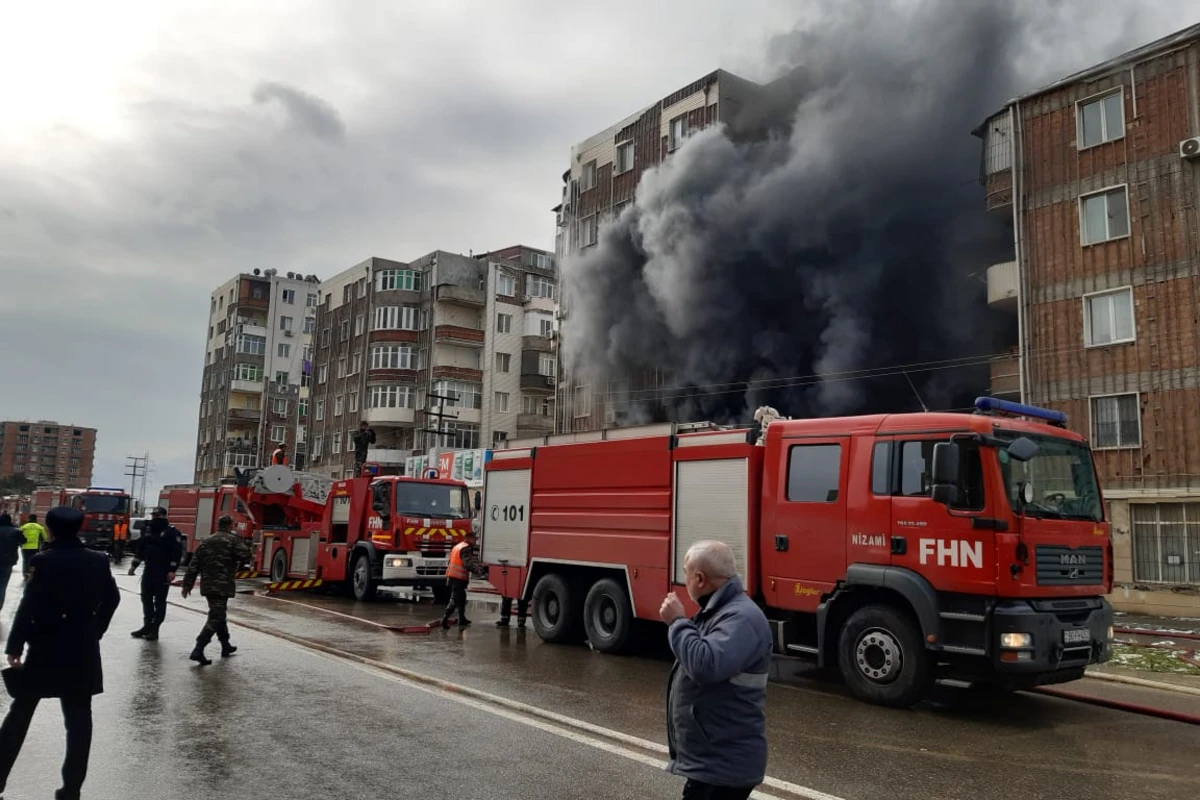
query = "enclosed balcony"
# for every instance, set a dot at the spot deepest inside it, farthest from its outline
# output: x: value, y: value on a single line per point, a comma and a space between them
x: 1003, y: 287
x: 455, y: 335
x: 1006, y: 375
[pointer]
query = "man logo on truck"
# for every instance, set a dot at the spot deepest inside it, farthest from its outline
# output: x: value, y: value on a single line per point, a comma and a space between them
x: 952, y: 552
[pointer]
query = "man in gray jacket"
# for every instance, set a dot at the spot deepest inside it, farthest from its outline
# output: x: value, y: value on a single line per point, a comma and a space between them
x: 717, y: 693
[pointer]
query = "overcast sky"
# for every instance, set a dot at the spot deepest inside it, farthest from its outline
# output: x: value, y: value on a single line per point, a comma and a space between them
x: 151, y: 150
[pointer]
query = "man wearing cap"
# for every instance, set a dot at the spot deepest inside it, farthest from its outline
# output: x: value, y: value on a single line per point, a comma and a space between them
x: 216, y: 563
x: 161, y: 548
x: 68, y: 603
x: 280, y: 455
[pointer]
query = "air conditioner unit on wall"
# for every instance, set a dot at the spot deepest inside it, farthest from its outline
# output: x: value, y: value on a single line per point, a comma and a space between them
x: 1190, y: 148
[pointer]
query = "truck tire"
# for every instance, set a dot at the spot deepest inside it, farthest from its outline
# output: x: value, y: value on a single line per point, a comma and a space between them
x: 362, y: 581
x: 883, y: 657
x: 608, y: 616
x: 556, y: 609
x: 279, y: 566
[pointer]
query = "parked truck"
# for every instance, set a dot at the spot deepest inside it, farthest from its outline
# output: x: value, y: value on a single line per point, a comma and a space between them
x: 900, y: 548
x: 195, y: 508
x: 102, y: 509
x: 361, y: 532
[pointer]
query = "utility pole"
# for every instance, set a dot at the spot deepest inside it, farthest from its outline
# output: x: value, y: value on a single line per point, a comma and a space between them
x: 439, y: 415
x: 135, y: 467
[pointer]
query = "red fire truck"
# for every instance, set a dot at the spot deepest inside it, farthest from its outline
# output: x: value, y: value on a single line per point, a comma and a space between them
x: 366, y: 532
x: 102, y: 509
x: 194, y: 509
x: 899, y: 547
x: 17, y: 506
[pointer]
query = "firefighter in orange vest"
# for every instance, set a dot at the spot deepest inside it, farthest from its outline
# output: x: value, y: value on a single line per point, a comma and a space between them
x: 464, y: 561
x: 120, y: 534
x: 280, y: 455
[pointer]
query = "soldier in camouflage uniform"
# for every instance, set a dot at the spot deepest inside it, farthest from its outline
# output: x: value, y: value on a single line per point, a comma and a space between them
x: 216, y: 562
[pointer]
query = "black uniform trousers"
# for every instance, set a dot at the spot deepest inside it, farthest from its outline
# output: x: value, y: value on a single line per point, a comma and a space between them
x: 217, y: 622
x: 694, y: 790
x: 458, y: 600
x: 506, y: 608
x: 6, y: 571
x: 77, y: 714
x: 154, y: 599
x: 27, y: 555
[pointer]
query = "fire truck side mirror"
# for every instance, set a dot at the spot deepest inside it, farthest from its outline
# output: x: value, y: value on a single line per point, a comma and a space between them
x: 478, y: 501
x: 945, y: 473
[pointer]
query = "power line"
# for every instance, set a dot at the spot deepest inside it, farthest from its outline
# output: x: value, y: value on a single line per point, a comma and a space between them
x: 135, y: 468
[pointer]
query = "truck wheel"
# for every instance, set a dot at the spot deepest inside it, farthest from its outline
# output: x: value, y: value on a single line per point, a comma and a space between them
x: 608, y: 616
x: 362, y: 581
x: 279, y: 566
x: 883, y: 658
x: 556, y: 610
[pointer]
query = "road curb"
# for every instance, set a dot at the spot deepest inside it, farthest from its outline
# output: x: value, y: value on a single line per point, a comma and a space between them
x: 1144, y: 683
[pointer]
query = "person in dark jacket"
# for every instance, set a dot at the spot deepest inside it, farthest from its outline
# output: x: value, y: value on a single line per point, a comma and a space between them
x: 363, y: 439
x: 216, y: 563
x: 717, y: 692
x: 12, y: 539
x: 161, y: 548
x: 69, y: 601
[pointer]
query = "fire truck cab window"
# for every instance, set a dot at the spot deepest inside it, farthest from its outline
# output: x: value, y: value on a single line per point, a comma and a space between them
x: 379, y: 495
x: 916, y: 467
x: 814, y: 473
x: 881, y: 469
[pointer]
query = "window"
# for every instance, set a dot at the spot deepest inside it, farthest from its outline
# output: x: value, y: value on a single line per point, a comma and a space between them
x: 1101, y: 119
x: 356, y: 364
x: 306, y: 379
x: 251, y: 345
x: 539, y: 406
x: 541, y: 260
x: 546, y: 327
x: 503, y: 362
x: 339, y: 405
x: 460, y: 435
x: 285, y: 323
x: 678, y: 132
x: 278, y: 433
x: 288, y: 296
x: 504, y: 323
x: 302, y: 409
x: 506, y: 285
x: 1166, y: 542
x: 282, y: 378
x: 391, y: 396
x: 306, y: 353
x: 247, y: 372
x: 546, y: 364
x: 360, y: 324
x: 310, y: 325
x: 341, y: 367
x: 353, y: 402
x: 1104, y: 216
x: 500, y: 403
x: 537, y: 286
x: 407, y: 318
x: 392, y: 356
x: 1116, y: 421
x: 814, y: 473
x: 583, y: 401
x: 317, y: 441
x: 336, y: 447
x: 589, y: 176
x: 322, y: 373
x: 624, y: 157
x: 345, y: 331
x: 881, y: 469
x: 590, y: 230
x: 284, y: 350
x: 619, y: 207
x: 465, y: 394
x: 404, y: 279
x: 320, y: 410
x: 1108, y: 318
x: 325, y: 337
x: 311, y: 300
x: 361, y: 283
x: 916, y: 473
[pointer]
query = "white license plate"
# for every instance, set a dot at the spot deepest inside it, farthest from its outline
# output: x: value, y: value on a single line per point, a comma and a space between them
x: 1077, y: 636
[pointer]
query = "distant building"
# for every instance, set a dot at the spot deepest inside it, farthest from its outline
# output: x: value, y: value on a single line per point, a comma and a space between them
x: 1098, y: 176
x: 48, y: 453
x: 254, y: 388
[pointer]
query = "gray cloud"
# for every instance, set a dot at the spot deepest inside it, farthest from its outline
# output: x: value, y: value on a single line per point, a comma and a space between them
x: 308, y: 113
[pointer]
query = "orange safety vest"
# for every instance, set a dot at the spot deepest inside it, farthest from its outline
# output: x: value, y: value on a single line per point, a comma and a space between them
x: 120, y: 531
x: 454, y: 567
x: 278, y: 457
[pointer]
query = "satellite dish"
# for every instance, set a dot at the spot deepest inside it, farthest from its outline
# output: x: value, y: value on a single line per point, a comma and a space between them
x: 277, y: 479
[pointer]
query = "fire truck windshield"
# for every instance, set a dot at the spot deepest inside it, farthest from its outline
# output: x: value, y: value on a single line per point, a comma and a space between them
x: 1062, y: 477
x: 103, y: 503
x: 432, y: 500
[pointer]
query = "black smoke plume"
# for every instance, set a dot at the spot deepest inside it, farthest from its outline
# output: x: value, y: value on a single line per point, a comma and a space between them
x: 837, y: 225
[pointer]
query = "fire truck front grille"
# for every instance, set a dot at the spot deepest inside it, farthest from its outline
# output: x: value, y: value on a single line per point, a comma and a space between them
x: 1058, y: 565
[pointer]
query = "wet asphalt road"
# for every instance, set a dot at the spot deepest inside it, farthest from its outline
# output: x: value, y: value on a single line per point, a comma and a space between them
x: 280, y: 721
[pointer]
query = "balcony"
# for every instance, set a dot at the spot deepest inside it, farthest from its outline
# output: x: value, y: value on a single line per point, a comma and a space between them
x: 245, y: 414
x: 540, y: 344
x: 1006, y: 375
x: 462, y: 337
x: 241, y: 446
x: 387, y: 455
x: 459, y: 295
x: 1002, y: 287
x: 537, y: 383
x: 534, y: 423
x: 457, y: 374
x: 250, y: 329
x: 252, y: 387
x: 390, y: 416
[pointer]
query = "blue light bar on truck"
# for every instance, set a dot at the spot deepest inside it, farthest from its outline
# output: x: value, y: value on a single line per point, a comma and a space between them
x: 993, y: 405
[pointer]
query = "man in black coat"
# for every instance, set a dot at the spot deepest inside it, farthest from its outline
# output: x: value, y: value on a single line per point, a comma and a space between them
x: 69, y: 601
x: 11, y: 540
x: 161, y: 548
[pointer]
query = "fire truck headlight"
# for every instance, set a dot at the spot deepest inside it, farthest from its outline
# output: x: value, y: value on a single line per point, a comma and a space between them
x: 397, y: 561
x: 1015, y: 640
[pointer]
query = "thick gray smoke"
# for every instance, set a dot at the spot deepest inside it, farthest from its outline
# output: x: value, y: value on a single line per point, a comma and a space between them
x: 836, y: 226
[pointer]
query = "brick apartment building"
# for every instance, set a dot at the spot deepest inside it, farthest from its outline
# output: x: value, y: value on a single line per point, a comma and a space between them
x: 1098, y: 175
x: 392, y: 337
x: 254, y: 388
x: 48, y: 453
x: 601, y: 181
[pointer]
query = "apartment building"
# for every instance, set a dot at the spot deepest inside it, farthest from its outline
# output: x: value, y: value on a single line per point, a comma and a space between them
x: 254, y: 388
x: 601, y: 181
x: 448, y: 350
x: 47, y: 452
x: 1097, y: 175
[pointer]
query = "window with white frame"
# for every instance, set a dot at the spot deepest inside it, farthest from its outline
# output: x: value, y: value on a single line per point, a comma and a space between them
x: 624, y: 157
x: 353, y: 402
x: 322, y: 373
x: 306, y: 353
x: 286, y: 323
x: 282, y: 378
x: 504, y: 323
x: 500, y: 402
x: 251, y: 345
x: 589, y: 176
x: 393, y: 356
x: 1108, y: 318
x: 545, y: 327
x: 1101, y: 119
x: 336, y: 446
x: 678, y: 132
x: 590, y: 230
x: 538, y: 406
x: 1116, y: 422
x: 506, y: 285
x: 278, y: 433
x: 405, y: 318
x: 310, y: 324
x: 341, y: 367
x: 503, y: 362
x: 1104, y: 216
x: 247, y: 372
x: 546, y: 364
x: 339, y: 405
x: 390, y: 396
x: 542, y: 260
x: 583, y: 401
x: 356, y: 363
x: 280, y: 406
x: 317, y: 441
x: 319, y: 411
x: 311, y: 300
x: 284, y: 350
x: 345, y: 330
x: 460, y: 435
x: 360, y: 324
x: 465, y: 393
x: 288, y: 296
x: 537, y: 286
x: 241, y: 460
x: 1166, y: 542
x: 362, y: 287
x: 302, y: 409
x: 404, y: 279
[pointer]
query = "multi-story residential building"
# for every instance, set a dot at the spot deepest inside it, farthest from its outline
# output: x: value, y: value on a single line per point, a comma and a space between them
x: 1098, y: 176
x: 47, y: 452
x: 254, y: 389
x: 448, y: 350
x: 603, y: 176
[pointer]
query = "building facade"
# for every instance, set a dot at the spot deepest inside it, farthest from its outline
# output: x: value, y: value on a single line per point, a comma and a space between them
x: 1098, y: 176
x: 48, y: 453
x: 601, y: 181
x: 446, y: 350
x: 254, y: 388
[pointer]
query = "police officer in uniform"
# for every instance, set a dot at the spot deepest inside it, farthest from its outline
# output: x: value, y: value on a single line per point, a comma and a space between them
x: 161, y: 548
x: 216, y: 563
x: 464, y: 562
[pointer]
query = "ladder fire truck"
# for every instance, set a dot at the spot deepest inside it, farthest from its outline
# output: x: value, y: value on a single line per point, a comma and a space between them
x: 102, y: 508
x: 899, y: 547
x: 194, y: 509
